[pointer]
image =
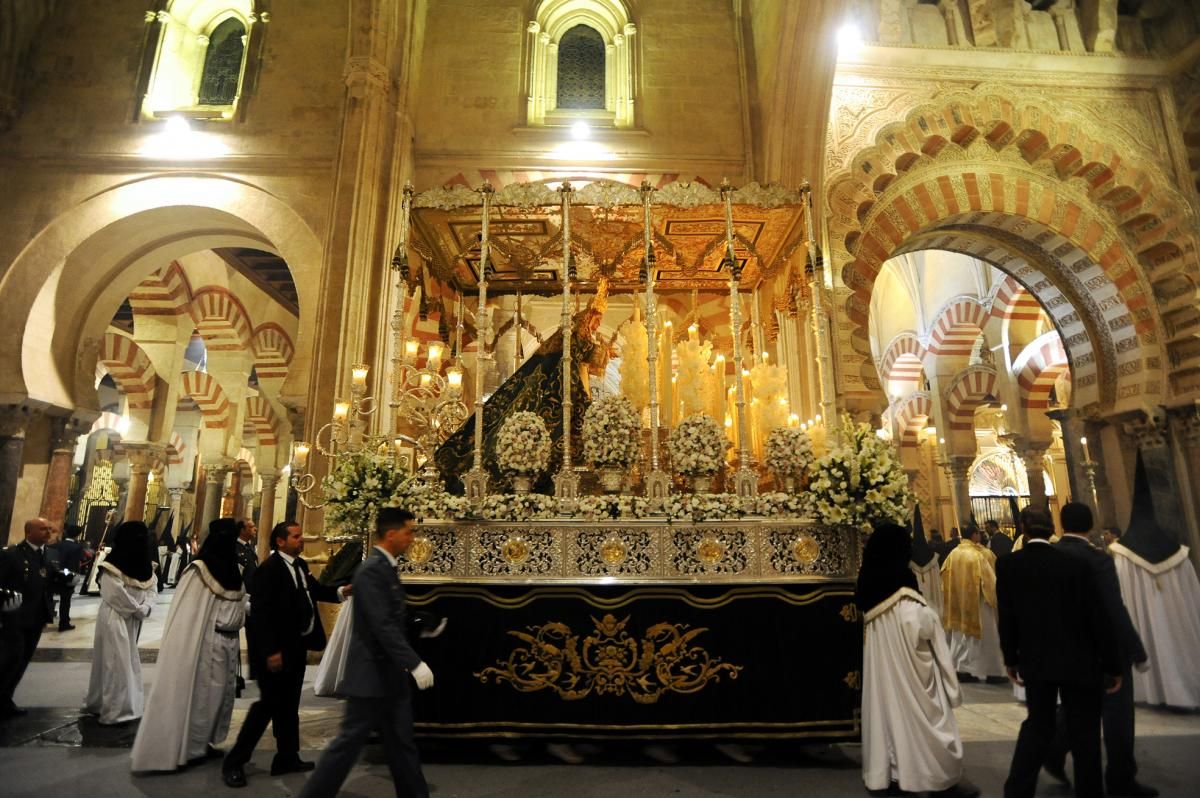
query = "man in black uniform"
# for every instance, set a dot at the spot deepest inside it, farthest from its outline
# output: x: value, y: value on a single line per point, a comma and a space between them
x: 25, y: 568
x: 247, y: 551
x: 1117, y: 712
x: 70, y: 555
x: 283, y: 627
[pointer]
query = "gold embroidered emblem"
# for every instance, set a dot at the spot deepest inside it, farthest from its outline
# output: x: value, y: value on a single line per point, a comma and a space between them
x: 515, y: 551
x: 613, y: 551
x: 806, y: 549
x: 853, y: 680
x: 710, y: 551
x: 609, y: 661
x: 850, y: 613
x: 419, y: 551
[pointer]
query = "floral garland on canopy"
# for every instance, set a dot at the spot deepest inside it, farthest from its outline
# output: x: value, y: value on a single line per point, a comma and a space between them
x: 611, y: 433
x: 789, y: 451
x: 518, y: 507
x: 698, y: 446
x: 523, y: 445
x: 859, y: 482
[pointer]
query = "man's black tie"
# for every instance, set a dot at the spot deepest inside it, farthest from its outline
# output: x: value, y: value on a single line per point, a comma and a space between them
x: 306, y: 616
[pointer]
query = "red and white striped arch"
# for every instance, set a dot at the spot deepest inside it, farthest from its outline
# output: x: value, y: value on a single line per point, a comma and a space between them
x: 902, y: 364
x: 130, y: 368
x: 957, y: 328
x: 107, y: 420
x: 260, y: 416
x: 1038, y: 367
x: 221, y: 320
x: 1013, y: 302
x: 273, y: 350
x: 213, y: 404
x: 166, y: 292
x: 912, y: 416
x: 970, y: 389
x: 175, y: 449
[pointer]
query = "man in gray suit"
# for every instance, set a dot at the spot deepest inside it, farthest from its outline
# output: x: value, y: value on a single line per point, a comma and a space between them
x: 378, y: 665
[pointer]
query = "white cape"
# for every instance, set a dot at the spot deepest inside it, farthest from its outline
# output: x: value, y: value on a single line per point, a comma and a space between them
x: 980, y: 657
x: 191, y: 702
x: 332, y: 669
x: 115, y: 692
x: 929, y: 580
x: 1164, y: 603
x: 910, y: 690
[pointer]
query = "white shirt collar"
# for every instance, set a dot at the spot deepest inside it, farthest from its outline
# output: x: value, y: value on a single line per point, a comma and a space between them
x: 1037, y: 540
x: 1079, y: 535
x: 387, y: 554
x: 287, y: 558
x: 35, y: 548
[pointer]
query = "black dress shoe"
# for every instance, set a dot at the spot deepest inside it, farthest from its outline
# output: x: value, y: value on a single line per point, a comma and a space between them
x: 234, y: 776
x: 1133, y: 788
x: 66, y: 627
x: 1058, y: 773
x: 296, y: 765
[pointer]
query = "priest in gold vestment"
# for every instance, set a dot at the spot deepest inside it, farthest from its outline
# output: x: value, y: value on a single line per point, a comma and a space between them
x: 969, y: 609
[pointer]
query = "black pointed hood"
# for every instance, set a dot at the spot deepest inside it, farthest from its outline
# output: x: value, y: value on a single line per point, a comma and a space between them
x: 922, y: 552
x: 1143, y: 536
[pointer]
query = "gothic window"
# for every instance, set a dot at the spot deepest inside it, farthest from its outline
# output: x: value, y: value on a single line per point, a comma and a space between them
x: 581, y: 69
x: 223, y: 63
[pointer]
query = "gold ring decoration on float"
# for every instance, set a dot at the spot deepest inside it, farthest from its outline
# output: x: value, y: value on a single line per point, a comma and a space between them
x: 806, y: 549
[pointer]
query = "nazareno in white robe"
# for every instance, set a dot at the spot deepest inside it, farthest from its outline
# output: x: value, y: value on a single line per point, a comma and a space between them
x: 191, y: 703
x: 115, y: 692
x: 929, y: 580
x: 1164, y: 603
x: 910, y: 690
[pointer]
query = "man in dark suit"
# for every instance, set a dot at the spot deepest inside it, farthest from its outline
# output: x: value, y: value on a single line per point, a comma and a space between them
x: 1117, y: 713
x: 282, y: 629
x: 70, y: 556
x: 377, y: 680
x: 1000, y: 543
x: 1057, y: 642
x: 26, y: 568
x: 247, y: 551
x: 944, y: 548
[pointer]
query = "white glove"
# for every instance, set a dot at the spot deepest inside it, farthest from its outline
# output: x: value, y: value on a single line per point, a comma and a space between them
x: 423, y: 676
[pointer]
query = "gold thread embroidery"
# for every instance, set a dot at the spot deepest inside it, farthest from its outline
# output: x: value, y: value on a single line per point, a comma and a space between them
x: 609, y: 661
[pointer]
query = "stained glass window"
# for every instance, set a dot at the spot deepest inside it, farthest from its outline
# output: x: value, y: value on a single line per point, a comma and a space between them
x: 581, y: 69
x: 223, y: 64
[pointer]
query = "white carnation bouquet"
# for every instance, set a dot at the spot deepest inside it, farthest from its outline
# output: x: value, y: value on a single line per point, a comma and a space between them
x: 357, y: 487
x: 601, y: 508
x: 517, y: 507
x: 858, y: 482
x: 705, y: 506
x: 429, y: 502
x: 523, y: 445
x: 781, y: 505
x: 698, y: 446
x: 611, y: 433
x: 789, y: 451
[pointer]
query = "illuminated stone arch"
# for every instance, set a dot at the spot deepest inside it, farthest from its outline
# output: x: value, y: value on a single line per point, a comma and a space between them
x: 1038, y: 368
x: 131, y: 370
x: 912, y: 416
x: 970, y: 389
x: 1021, y: 184
x: 206, y: 391
x: 902, y: 365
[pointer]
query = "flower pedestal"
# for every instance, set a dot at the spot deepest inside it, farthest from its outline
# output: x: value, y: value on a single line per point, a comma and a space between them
x: 612, y: 478
x: 521, y: 483
x: 702, y: 483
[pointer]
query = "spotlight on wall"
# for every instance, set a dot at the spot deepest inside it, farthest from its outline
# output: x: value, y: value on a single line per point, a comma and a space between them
x: 581, y: 130
x: 849, y: 40
x: 177, y: 140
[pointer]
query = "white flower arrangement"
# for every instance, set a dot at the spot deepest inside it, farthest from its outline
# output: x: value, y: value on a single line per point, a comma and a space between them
x: 357, y: 487
x: 698, y: 446
x: 705, y: 506
x: 789, y: 451
x: 858, y: 482
x: 781, y: 505
x: 523, y: 445
x: 611, y: 433
x: 602, y: 508
x: 517, y: 507
x: 429, y: 502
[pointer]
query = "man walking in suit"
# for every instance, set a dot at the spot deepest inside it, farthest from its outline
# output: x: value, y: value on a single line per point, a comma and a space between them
x: 1117, y: 713
x: 283, y: 628
x: 377, y: 671
x: 1057, y: 643
x: 25, y: 569
x: 70, y: 556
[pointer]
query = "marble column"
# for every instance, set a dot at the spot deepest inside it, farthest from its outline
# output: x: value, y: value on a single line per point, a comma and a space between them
x: 64, y: 434
x: 959, y: 466
x: 176, y: 494
x: 214, y: 492
x: 1032, y: 455
x: 142, y: 459
x: 1185, y: 432
x: 1079, y: 486
x: 14, y: 419
x: 266, y: 512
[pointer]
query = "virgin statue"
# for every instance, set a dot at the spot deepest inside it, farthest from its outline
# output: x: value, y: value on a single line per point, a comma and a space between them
x: 535, y: 387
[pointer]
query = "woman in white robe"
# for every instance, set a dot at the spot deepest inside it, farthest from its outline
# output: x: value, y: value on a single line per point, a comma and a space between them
x: 191, y: 703
x: 128, y: 592
x: 910, y: 737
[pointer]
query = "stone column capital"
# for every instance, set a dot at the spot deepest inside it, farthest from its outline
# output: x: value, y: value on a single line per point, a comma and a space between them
x: 15, y: 419
x: 269, y: 481
x: 65, y: 432
x: 1146, y: 430
x: 1185, y: 423
x: 959, y: 465
x: 143, y: 457
x: 216, y: 471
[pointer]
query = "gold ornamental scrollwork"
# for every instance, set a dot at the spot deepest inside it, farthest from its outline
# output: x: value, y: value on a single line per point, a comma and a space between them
x: 515, y: 550
x: 806, y: 549
x: 419, y: 551
x: 850, y: 613
x: 853, y: 680
x: 609, y: 661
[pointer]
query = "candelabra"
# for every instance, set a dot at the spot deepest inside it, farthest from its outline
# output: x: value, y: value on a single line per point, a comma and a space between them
x: 1090, y: 467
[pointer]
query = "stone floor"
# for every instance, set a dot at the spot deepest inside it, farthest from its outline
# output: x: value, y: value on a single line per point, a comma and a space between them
x: 53, y: 752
